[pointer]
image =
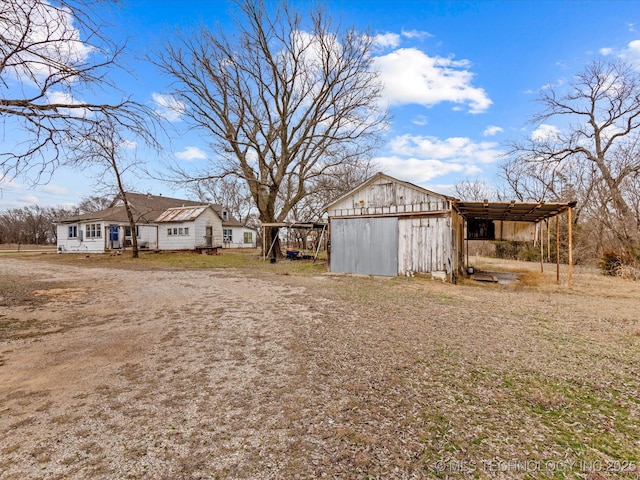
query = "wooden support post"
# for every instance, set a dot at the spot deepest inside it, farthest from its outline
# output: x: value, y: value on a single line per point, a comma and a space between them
x: 557, y: 250
x: 570, y: 227
x: 466, y: 234
x: 546, y: 222
x: 541, y: 248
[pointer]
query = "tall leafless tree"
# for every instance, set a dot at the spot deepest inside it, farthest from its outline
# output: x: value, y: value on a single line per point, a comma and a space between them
x: 109, y: 151
x: 593, y: 154
x: 54, y: 55
x: 282, y: 101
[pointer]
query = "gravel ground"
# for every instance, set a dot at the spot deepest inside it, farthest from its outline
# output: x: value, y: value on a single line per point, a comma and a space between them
x: 174, y: 374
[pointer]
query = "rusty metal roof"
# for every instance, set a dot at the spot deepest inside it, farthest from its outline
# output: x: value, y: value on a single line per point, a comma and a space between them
x: 181, y: 214
x: 511, y: 211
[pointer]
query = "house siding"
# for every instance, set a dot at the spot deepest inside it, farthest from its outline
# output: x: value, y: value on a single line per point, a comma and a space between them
x: 197, y: 232
x: 237, y: 237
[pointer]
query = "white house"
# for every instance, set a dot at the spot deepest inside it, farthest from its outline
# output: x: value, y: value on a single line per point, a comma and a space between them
x: 234, y: 233
x: 189, y: 228
x: 162, y: 223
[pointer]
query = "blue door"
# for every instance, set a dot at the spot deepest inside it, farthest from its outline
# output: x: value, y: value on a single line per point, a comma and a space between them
x: 113, y: 236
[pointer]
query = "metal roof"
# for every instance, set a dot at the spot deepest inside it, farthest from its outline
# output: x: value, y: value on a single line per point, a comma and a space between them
x: 511, y: 211
x: 181, y: 214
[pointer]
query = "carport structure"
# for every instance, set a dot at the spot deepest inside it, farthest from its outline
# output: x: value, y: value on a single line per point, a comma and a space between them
x: 480, y: 217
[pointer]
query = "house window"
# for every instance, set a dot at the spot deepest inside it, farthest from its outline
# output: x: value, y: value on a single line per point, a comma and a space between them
x: 248, y: 237
x: 224, y: 215
x: 73, y: 231
x: 127, y: 231
x: 169, y: 231
x: 175, y: 231
x: 186, y: 230
x: 227, y: 235
x: 180, y: 231
x: 93, y: 230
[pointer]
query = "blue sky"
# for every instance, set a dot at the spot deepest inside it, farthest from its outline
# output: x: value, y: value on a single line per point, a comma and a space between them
x: 461, y: 80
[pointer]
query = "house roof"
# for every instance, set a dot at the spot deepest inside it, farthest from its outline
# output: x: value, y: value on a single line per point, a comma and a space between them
x: 379, y: 176
x: 145, y: 208
x: 511, y: 211
x: 181, y: 214
x: 230, y: 220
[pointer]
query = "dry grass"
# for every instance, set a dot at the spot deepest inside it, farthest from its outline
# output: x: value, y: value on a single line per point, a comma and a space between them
x: 189, y: 367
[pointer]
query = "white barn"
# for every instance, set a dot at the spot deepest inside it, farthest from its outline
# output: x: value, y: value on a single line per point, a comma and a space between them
x: 389, y: 227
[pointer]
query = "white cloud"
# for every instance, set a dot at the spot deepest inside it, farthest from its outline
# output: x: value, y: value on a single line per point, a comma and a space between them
x: 31, y: 199
x: 631, y: 53
x: 50, y: 41
x: 416, y: 34
x: 191, y: 153
x: 545, y: 132
x: 421, y: 120
x: 457, y: 149
x: 417, y: 170
x: 6, y: 182
x: 55, y: 189
x: 168, y: 106
x: 386, y: 40
x: 492, y: 130
x: 421, y: 159
x: 412, y: 76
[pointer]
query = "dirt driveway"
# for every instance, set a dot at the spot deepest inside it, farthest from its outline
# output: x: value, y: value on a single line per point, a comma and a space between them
x: 175, y: 374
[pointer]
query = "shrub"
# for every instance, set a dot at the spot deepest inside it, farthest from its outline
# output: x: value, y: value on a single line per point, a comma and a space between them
x: 610, y: 262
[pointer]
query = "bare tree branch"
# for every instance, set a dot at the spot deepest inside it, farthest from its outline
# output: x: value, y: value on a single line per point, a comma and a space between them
x: 282, y: 102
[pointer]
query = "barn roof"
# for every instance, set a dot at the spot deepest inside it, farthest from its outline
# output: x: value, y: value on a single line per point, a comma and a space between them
x: 511, y: 211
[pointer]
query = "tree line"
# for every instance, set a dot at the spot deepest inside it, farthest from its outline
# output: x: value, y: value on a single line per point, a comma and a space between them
x: 35, y: 225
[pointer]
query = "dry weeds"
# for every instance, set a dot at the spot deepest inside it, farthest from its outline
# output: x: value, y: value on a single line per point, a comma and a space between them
x: 170, y: 374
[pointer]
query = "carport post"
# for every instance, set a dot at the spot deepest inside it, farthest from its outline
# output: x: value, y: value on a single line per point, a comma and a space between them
x: 557, y: 250
x: 570, y: 248
x: 542, y: 248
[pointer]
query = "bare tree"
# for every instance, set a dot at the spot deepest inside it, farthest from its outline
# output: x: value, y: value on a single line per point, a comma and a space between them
x: 52, y: 54
x: 594, y: 154
x: 94, y: 203
x: 232, y: 194
x: 282, y: 102
x: 475, y: 190
x: 113, y: 154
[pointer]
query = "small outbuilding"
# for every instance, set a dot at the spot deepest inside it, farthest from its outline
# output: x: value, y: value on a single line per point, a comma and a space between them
x: 390, y: 227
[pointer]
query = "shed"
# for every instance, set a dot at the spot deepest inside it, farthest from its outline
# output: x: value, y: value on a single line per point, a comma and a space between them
x: 391, y: 227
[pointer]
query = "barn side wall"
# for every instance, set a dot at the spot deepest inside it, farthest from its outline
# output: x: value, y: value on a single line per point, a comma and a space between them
x: 425, y: 245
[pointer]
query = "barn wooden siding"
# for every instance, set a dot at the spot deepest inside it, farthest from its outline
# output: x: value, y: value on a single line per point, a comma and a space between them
x: 387, y: 198
x: 515, y: 231
x: 389, y: 227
